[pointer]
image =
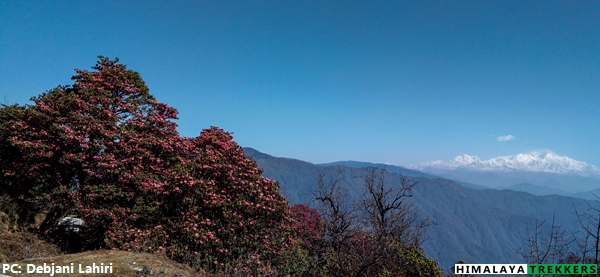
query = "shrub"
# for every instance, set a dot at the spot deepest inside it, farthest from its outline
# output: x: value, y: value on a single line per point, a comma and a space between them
x: 416, y: 264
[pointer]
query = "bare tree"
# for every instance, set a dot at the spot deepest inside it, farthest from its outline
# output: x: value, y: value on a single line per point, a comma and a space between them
x: 367, y: 236
x: 558, y: 247
x: 588, y: 247
x: 339, y: 217
x: 391, y: 217
x: 540, y: 249
x: 389, y: 212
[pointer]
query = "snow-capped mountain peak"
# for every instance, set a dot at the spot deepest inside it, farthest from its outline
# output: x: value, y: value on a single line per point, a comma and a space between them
x: 466, y: 159
x: 536, y: 161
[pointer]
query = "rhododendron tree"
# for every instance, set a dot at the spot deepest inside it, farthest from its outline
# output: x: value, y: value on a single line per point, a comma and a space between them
x: 219, y: 207
x: 65, y: 143
x: 308, y: 224
x: 77, y: 143
x: 17, y: 208
x: 107, y: 151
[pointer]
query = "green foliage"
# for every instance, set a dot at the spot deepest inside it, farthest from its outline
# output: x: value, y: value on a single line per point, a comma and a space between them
x: 296, y: 261
x: 384, y: 273
x: 336, y: 264
x: 416, y: 264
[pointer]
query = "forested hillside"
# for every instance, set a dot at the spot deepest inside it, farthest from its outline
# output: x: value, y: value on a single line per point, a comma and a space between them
x: 474, y: 225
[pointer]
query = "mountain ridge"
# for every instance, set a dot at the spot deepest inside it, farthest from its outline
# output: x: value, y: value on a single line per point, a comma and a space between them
x: 535, y: 161
x: 478, y: 226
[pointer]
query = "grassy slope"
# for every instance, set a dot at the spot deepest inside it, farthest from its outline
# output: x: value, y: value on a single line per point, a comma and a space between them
x: 124, y: 263
x: 25, y: 248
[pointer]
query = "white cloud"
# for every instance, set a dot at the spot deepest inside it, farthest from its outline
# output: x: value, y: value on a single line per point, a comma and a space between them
x: 505, y: 138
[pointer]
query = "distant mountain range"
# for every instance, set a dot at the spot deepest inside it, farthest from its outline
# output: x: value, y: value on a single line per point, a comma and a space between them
x: 536, y: 161
x: 539, y: 173
x: 473, y: 224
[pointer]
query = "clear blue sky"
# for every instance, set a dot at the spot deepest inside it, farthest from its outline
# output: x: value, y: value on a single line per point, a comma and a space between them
x: 400, y: 82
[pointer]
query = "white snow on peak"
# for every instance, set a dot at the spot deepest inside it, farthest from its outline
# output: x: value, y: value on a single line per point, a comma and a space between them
x: 537, y: 161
